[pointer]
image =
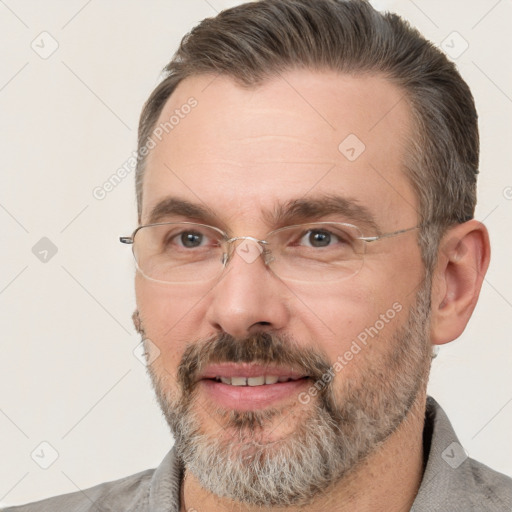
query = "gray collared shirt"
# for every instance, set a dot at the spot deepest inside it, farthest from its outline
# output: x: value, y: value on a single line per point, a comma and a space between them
x: 452, y: 482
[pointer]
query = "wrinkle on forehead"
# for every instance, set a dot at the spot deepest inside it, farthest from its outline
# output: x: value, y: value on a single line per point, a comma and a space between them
x: 243, y: 146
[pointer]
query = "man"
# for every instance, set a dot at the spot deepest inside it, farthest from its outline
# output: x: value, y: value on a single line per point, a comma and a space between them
x: 306, y: 190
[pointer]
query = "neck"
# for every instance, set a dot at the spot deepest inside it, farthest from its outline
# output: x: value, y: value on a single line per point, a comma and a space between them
x: 387, y: 481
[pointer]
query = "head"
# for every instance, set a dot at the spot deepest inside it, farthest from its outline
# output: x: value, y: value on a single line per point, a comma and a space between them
x: 276, y: 113
x: 246, y: 44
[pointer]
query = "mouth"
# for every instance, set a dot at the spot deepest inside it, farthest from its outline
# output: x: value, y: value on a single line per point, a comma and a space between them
x: 260, y: 380
x: 246, y: 386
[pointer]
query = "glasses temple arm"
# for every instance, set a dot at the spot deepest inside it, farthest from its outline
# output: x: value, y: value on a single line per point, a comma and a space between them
x: 387, y: 235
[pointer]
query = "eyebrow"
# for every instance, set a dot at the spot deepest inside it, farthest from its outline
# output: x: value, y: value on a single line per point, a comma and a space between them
x: 175, y: 207
x: 293, y: 211
x: 302, y: 210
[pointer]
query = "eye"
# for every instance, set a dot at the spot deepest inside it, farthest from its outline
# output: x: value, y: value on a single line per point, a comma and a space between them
x: 320, y: 238
x: 190, y: 239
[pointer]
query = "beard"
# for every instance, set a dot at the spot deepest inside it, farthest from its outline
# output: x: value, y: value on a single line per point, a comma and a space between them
x: 338, y: 429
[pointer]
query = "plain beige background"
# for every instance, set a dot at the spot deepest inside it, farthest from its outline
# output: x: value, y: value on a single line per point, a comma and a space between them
x: 68, y: 374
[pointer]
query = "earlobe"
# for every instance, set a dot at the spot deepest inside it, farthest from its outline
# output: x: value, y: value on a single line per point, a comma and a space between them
x: 463, y: 260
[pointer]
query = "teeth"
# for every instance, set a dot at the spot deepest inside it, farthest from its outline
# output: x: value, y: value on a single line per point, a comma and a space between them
x: 256, y: 381
x: 252, y: 381
x: 238, y: 381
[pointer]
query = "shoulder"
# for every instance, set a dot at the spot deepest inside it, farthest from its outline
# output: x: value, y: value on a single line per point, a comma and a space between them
x: 485, y: 487
x: 452, y: 480
x: 128, y: 493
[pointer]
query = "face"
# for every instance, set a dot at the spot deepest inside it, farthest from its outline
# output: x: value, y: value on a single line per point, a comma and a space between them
x: 350, y: 356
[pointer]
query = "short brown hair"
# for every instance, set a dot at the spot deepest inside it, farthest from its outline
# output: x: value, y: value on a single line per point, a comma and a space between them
x: 259, y: 40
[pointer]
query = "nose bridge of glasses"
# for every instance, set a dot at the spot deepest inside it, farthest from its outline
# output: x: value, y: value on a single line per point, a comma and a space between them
x: 236, y: 238
x: 248, y: 248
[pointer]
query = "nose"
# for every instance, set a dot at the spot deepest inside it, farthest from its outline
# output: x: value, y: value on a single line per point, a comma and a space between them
x: 248, y: 297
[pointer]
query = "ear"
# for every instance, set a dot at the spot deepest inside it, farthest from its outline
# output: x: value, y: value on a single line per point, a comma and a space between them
x: 463, y: 259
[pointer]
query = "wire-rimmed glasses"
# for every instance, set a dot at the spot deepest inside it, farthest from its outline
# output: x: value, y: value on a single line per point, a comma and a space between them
x: 186, y: 252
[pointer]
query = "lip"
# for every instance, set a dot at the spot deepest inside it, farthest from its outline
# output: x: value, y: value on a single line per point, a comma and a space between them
x: 249, y: 398
x: 247, y: 370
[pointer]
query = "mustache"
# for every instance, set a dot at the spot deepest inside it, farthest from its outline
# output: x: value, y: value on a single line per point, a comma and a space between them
x: 262, y: 348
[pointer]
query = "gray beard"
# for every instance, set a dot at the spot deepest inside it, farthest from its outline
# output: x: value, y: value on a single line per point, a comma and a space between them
x: 333, y: 436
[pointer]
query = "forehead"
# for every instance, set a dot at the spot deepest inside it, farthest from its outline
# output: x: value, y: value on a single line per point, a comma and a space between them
x: 241, y: 152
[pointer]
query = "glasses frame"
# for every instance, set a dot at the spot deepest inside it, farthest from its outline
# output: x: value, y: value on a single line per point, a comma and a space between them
x: 267, y: 253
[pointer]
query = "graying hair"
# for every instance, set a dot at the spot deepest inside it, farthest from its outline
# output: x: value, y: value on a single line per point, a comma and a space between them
x: 256, y: 41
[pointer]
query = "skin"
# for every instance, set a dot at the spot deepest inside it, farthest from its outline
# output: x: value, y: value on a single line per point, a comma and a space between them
x: 241, y: 151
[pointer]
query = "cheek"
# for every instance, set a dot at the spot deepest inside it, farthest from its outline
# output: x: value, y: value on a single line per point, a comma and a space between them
x: 353, y: 321
x: 170, y: 317
x: 337, y: 311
